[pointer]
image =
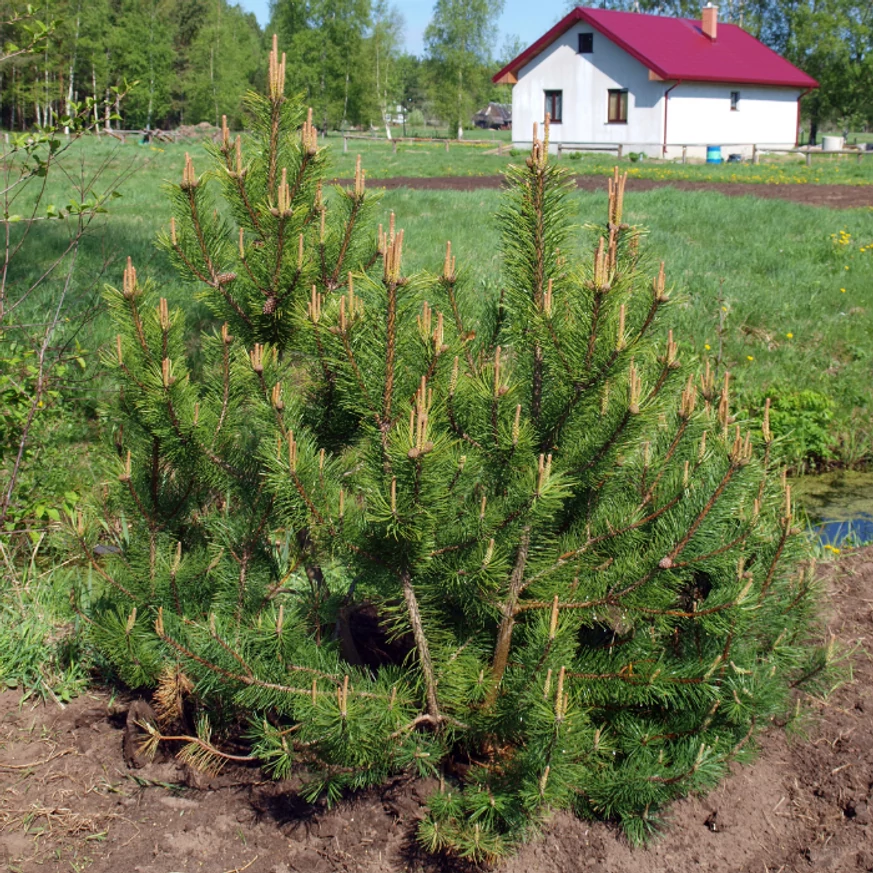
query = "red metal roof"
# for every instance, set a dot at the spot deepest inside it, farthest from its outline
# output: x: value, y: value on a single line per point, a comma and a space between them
x: 677, y: 49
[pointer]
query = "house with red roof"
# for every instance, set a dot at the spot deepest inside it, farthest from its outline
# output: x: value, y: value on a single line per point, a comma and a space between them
x: 655, y: 84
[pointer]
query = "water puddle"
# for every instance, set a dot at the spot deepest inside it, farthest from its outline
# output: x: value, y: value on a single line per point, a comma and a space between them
x: 839, y: 505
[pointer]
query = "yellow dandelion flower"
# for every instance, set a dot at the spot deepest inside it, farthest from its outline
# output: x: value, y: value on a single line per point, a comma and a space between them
x: 789, y: 335
x: 842, y: 290
x: 750, y: 357
x: 708, y: 347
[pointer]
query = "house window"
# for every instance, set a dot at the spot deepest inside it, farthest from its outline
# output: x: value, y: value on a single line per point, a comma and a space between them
x: 586, y: 43
x: 617, y: 108
x: 735, y: 101
x: 554, y: 106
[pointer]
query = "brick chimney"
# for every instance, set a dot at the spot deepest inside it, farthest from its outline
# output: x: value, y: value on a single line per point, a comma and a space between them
x: 709, y: 21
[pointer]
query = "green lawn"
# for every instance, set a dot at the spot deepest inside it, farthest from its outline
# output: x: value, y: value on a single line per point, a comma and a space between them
x: 442, y: 132
x: 431, y: 159
x: 798, y: 303
x: 853, y: 137
x: 773, y: 170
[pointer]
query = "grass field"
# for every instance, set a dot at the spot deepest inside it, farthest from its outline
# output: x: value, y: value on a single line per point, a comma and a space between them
x: 791, y: 285
x: 431, y: 159
x: 853, y: 136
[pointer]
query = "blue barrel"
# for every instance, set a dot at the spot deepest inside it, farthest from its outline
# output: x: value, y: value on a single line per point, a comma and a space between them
x: 713, y: 154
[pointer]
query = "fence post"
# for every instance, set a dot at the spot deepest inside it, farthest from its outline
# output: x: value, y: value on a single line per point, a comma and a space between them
x: 447, y: 146
x: 560, y: 149
x: 619, y: 151
x: 808, y: 157
x: 755, y: 153
x: 685, y: 154
x: 860, y: 155
x: 345, y: 144
x: 394, y: 143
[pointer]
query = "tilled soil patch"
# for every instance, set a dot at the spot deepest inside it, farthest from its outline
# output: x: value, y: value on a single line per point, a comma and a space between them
x: 68, y: 800
x: 831, y: 196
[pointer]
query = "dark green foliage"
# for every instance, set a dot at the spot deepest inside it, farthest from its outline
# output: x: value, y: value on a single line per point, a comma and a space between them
x: 801, y: 425
x: 326, y: 40
x: 530, y: 554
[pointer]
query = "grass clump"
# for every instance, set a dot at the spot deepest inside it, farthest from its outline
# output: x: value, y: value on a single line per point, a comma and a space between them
x: 40, y: 650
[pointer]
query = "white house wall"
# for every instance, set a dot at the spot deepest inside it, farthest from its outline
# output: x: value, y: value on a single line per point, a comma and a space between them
x: 700, y: 113
x: 585, y: 80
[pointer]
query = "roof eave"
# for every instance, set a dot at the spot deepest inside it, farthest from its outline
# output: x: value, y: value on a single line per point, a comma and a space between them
x: 731, y: 80
x: 510, y: 71
x: 509, y: 74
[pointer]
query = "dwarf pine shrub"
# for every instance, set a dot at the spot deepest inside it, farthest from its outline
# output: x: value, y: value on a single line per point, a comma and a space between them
x: 533, y: 555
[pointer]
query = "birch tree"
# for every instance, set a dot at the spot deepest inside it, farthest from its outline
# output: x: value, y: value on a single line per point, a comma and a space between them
x: 460, y: 39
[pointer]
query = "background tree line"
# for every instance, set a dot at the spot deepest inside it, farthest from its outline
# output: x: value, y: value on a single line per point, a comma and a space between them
x: 193, y: 60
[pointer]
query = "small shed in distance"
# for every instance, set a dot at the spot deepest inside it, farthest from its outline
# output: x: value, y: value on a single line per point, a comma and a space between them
x: 495, y: 116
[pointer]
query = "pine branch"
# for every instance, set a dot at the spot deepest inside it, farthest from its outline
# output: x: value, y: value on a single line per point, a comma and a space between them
x: 421, y: 645
x: 252, y: 680
x: 390, y: 349
x: 347, y: 237
x: 509, y: 610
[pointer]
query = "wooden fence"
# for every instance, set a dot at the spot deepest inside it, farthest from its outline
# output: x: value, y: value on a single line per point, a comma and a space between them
x: 810, y: 152
x: 173, y: 136
x: 619, y: 149
x: 500, y: 146
x: 176, y: 136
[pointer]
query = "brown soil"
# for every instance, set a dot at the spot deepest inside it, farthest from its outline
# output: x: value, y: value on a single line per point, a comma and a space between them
x: 832, y: 196
x: 68, y: 800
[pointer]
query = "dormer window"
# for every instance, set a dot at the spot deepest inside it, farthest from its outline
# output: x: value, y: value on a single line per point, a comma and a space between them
x: 586, y: 43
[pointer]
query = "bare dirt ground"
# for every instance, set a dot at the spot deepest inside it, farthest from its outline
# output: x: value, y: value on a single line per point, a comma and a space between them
x: 70, y: 802
x: 831, y: 196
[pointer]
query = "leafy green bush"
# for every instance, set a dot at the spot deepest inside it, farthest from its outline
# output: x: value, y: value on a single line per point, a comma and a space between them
x: 43, y: 487
x: 800, y: 422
